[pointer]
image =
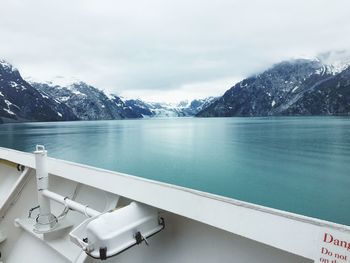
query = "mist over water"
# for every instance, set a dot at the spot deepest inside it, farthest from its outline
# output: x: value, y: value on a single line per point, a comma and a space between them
x: 297, y: 164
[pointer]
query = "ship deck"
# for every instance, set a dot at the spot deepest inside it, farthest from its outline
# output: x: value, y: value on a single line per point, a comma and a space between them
x: 199, y: 226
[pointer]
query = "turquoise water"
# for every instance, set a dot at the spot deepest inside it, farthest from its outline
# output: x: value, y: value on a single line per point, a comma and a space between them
x: 297, y: 164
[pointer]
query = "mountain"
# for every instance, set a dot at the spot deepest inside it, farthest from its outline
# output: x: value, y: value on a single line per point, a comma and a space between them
x: 296, y: 87
x: 68, y: 99
x: 140, y: 107
x: 199, y: 104
x: 87, y: 102
x: 158, y: 109
x: 19, y: 101
x: 330, y: 97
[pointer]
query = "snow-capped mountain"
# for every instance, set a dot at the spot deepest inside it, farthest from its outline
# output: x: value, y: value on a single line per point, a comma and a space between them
x: 296, y: 87
x: 318, y: 86
x: 69, y: 99
x: 158, y: 109
x: 90, y: 103
x: 19, y: 101
x: 87, y: 102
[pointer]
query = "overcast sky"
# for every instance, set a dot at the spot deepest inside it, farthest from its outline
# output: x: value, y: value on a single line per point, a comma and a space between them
x: 166, y: 50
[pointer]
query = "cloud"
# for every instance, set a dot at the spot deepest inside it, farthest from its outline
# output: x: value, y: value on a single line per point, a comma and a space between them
x: 161, y: 46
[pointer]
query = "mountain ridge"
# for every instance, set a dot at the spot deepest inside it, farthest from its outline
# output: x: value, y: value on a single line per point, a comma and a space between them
x: 278, y: 91
x: 87, y: 102
x: 19, y: 101
x: 293, y: 87
x: 67, y: 100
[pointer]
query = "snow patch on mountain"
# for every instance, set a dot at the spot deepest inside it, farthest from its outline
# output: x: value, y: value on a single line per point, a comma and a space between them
x: 295, y: 88
x: 335, y: 61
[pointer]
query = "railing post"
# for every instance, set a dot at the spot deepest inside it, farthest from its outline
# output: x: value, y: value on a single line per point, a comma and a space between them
x: 45, y: 220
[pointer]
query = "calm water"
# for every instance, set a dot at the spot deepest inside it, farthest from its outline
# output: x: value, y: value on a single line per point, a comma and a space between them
x: 299, y: 164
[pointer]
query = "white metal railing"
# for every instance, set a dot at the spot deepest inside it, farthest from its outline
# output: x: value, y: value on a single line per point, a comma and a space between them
x: 84, y: 209
x: 46, y: 221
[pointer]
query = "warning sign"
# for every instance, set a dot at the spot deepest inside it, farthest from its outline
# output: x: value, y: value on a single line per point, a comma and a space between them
x: 334, y: 247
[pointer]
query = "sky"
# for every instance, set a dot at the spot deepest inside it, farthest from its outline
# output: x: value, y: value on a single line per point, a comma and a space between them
x: 162, y: 50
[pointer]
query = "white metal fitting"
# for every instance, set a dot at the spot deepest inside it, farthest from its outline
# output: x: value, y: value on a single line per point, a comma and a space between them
x: 45, y: 220
x: 40, y: 149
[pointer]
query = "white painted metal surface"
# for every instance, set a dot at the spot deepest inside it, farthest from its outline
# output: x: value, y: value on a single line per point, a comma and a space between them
x: 11, y: 183
x: 84, y: 209
x: 115, y: 231
x: 224, y: 223
x: 45, y: 220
